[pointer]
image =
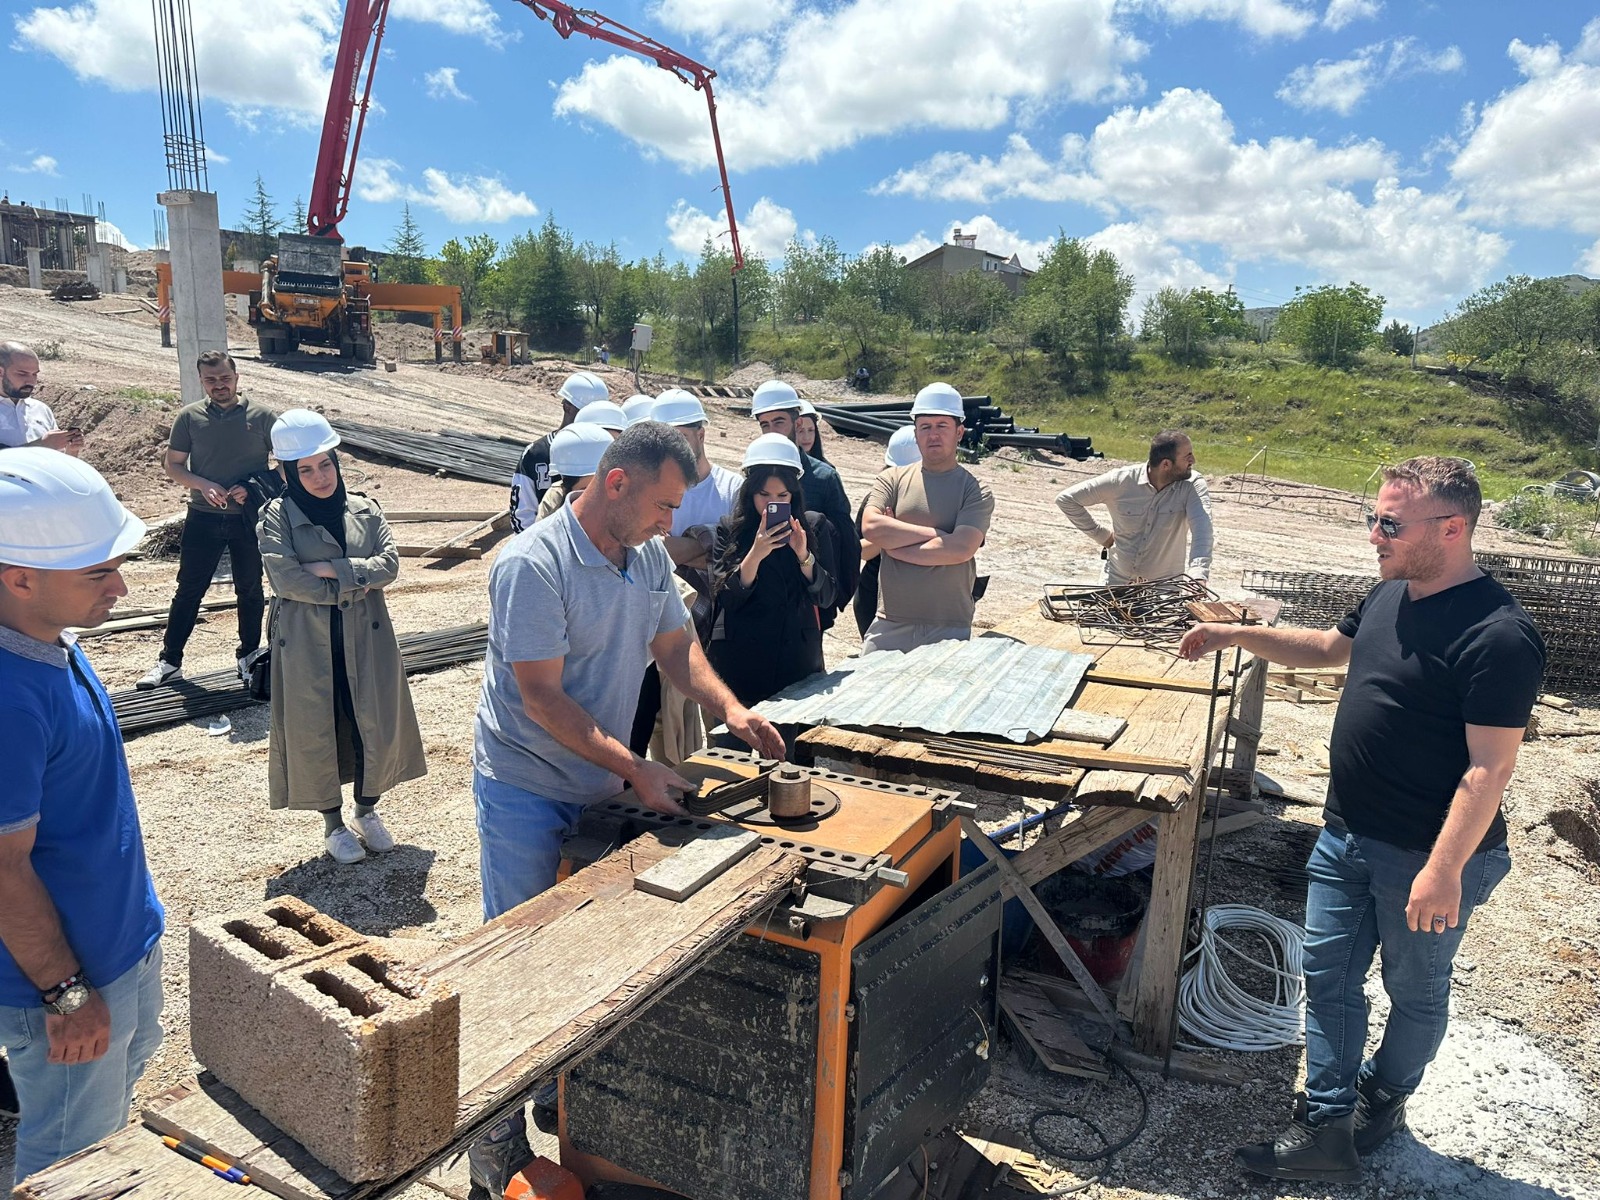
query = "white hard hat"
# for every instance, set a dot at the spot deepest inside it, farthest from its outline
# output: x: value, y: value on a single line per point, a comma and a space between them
x: 678, y: 407
x: 583, y: 388
x: 604, y: 413
x: 58, y: 514
x: 902, y: 451
x: 300, y: 433
x: 638, y: 408
x: 807, y: 409
x: 773, y: 450
x: 939, y: 400
x: 575, y: 451
x: 773, y: 395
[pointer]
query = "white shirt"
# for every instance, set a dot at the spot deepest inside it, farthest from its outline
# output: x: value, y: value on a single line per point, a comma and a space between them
x: 23, y: 421
x: 708, y: 501
x: 1150, y: 526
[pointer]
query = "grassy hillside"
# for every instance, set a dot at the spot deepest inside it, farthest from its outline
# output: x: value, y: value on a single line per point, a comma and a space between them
x: 1316, y: 425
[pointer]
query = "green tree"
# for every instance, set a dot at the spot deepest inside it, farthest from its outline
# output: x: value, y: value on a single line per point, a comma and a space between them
x: 757, y: 291
x: 408, y: 253
x: 261, y: 222
x: 703, y: 311
x: 1399, y: 338
x: 297, y: 222
x: 598, y: 276
x: 1512, y: 325
x: 466, y: 265
x: 1187, y: 322
x: 880, y: 276
x: 550, y: 305
x: 1331, y: 325
x: 970, y: 302
x: 811, y: 278
x: 1077, y: 305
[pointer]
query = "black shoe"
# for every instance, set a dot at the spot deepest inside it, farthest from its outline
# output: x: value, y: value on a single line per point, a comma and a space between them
x: 1325, y: 1153
x: 1379, y: 1113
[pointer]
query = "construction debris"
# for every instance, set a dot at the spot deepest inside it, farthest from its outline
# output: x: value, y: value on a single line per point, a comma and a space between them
x: 986, y: 426
x: 1157, y: 612
x: 469, y: 455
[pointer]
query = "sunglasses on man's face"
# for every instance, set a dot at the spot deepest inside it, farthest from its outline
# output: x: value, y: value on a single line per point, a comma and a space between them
x: 1390, y: 528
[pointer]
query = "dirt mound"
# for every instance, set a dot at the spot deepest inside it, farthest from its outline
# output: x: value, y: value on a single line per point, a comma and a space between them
x: 125, y: 437
x: 1578, y: 824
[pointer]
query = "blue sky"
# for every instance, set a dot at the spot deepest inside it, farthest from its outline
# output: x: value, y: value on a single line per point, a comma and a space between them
x: 1422, y: 147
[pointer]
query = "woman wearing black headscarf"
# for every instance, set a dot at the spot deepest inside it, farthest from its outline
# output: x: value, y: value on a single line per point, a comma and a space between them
x: 341, y: 707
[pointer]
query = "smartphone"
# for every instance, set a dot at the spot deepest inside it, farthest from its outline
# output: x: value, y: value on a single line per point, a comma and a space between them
x: 778, y: 517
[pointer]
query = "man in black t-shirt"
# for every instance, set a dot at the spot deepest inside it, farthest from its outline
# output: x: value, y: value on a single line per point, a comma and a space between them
x: 1444, y: 669
x: 533, y: 478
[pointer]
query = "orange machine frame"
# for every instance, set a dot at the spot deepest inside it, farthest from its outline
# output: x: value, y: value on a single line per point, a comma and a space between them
x: 918, y: 849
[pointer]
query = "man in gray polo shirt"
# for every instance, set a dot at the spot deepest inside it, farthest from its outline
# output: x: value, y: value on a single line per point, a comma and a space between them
x: 214, y: 447
x: 578, y: 605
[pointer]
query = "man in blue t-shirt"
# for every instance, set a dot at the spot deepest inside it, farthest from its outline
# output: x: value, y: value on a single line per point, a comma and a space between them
x: 80, y: 925
x: 1444, y: 670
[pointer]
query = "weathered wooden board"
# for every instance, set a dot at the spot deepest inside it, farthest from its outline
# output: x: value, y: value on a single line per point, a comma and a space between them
x: 443, y: 516
x: 542, y: 987
x: 697, y: 864
x: 1077, y: 725
x: 438, y: 551
x: 1046, y: 1031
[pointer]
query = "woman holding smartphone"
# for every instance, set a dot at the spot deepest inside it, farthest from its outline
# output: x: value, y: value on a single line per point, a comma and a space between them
x: 341, y: 708
x: 773, y: 566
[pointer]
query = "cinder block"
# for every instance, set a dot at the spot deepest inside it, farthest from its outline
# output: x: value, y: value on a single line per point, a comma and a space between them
x: 351, y: 1052
x: 232, y: 962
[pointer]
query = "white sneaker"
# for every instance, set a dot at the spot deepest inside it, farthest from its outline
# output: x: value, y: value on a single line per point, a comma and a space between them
x: 342, y: 845
x: 162, y: 672
x: 371, y: 831
x: 248, y: 661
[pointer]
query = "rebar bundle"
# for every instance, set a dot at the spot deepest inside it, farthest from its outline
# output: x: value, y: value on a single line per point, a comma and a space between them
x: 1316, y: 599
x: 469, y: 455
x: 221, y: 691
x: 1153, y: 612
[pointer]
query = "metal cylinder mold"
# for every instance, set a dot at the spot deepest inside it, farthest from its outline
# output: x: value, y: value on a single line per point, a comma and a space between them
x: 789, y: 793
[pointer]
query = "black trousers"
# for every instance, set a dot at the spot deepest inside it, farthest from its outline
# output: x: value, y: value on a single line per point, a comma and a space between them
x: 205, y: 535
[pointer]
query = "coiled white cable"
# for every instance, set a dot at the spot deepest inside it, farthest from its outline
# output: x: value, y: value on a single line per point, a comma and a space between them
x: 1216, y: 1011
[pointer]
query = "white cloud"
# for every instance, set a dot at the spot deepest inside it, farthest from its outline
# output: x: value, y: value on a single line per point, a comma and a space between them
x: 765, y: 229
x: 1153, y: 261
x: 1343, y: 12
x: 105, y: 231
x: 1534, y: 156
x: 718, y: 18
x: 1177, y: 169
x: 1341, y: 84
x: 866, y: 69
x: 442, y: 85
x: 265, y: 63
x: 40, y: 164
x: 464, y: 199
x: 1263, y: 18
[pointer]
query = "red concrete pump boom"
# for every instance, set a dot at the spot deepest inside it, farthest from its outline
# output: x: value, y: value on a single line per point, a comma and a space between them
x: 345, y: 117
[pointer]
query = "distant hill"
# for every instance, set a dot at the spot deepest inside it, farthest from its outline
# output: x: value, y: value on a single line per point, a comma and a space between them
x: 1575, y: 285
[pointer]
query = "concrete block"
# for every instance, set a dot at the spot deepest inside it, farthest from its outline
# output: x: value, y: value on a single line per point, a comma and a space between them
x: 350, y: 1051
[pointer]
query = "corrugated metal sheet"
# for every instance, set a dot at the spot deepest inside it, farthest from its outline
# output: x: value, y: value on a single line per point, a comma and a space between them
x: 991, y: 685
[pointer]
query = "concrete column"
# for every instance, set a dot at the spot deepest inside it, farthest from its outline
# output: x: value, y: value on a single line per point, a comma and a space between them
x: 119, y: 278
x: 35, y: 269
x: 95, y: 265
x: 193, y: 233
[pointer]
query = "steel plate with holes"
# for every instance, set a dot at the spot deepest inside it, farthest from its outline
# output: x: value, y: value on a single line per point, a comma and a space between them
x: 824, y: 803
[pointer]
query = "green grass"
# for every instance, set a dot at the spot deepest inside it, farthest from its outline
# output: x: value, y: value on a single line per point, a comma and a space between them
x: 144, y: 395
x: 1256, y: 406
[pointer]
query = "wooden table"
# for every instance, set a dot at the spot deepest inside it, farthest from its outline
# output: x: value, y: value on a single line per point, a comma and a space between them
x: 1167, y: 707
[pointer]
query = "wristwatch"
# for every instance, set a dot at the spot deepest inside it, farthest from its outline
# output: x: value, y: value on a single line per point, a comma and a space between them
x: 810, y: 559
x: 68, y: 996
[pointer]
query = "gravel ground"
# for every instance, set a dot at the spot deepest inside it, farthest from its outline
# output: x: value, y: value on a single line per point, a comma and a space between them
x: 1502, y: 1112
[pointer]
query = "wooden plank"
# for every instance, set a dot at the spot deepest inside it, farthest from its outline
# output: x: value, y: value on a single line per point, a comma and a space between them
x: 1047, y: 1033
x: 442, y: 516
x: 1076, y: 725
x: 467, y: 535
x: 1559, y: 703
x: 542, y: 987
x: 1098, y: 674
x: 1082, y: 834
x: 1155, y: 1005
x: 698, y: 863
x: 1018, y: 887
x: 1245, y: 723
x: 439, y: 551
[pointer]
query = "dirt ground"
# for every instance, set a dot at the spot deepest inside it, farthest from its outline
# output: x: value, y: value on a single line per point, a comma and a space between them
x: 1501, y: 1114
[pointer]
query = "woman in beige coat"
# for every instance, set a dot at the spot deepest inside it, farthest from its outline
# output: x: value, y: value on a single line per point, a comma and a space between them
x: 341, y: 708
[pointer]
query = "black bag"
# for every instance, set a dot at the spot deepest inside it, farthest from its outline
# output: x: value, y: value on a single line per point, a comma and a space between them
x: 259, y: 684
x: 262, y: 486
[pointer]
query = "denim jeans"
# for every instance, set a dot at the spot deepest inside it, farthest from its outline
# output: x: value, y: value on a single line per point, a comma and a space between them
x: 519, y: 842
x: 1356, y: 906
x: 65, y: 1108
x: 205, y: 536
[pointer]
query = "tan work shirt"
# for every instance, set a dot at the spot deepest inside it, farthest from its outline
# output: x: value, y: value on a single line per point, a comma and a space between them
x: 1153, y: 529
x: 943, y: 500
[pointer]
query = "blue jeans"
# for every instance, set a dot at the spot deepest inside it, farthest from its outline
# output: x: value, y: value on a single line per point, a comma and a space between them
x: 1356, y: 906
x: 66, y: 1108
x: 519, y: 842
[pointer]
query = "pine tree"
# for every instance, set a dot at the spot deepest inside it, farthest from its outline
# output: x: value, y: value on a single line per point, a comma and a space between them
x: 407, y: 252
x: 299, y: 221
x: 261, y: 222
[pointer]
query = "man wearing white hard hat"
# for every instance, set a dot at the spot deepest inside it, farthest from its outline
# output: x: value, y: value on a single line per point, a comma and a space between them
x: 713, y: 493
x: 604, y: 413
x: 638, y: 407
x: 901, y: 452
x: 574, y: 455
x: 80, y: 925
x: 218, y: 449
x: 776, y: 407
x: 531, y: 480
x: 928, y: 519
